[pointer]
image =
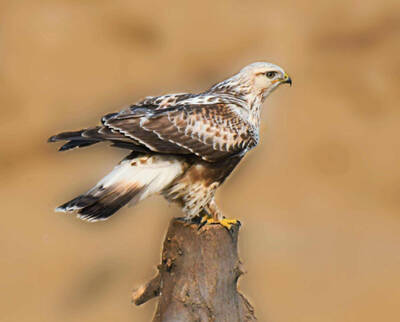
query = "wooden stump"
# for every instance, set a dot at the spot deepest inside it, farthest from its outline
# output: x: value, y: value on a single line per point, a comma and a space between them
x: 197, y: 279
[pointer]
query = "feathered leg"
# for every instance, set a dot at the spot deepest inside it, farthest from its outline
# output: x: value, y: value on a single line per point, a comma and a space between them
x: 213, y: 211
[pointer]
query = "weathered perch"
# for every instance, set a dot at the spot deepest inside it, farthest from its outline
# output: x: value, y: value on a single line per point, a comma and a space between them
x: 197, y: 279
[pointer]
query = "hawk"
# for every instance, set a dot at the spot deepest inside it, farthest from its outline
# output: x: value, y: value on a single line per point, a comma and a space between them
x: 182, y: 146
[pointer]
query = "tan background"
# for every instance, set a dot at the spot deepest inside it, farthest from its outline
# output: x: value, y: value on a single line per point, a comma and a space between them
x: 319, y: 198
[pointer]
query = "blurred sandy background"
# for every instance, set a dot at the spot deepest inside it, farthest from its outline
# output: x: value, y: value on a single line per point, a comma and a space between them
x: 319, y: 198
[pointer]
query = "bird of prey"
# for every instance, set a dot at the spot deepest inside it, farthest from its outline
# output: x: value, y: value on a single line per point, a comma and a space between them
x: 182, y: 146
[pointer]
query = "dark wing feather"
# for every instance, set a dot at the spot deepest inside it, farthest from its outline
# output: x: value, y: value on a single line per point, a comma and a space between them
x: 173, y: 124
x: 210, y: 131
x: 131, y: 128
x: 95, y: 135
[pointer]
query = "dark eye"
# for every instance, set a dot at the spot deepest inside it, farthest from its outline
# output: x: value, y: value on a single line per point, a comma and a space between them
x: 270, y: 74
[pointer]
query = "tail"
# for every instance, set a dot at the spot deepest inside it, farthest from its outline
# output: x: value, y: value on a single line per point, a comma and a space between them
x: 134, y: 179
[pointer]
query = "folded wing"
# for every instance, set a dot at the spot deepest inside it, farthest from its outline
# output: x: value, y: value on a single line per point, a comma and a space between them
x: 210, y: 131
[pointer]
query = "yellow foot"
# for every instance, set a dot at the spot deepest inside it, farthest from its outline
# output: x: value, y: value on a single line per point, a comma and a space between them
x: 204, y: 219
x: 227, y: 223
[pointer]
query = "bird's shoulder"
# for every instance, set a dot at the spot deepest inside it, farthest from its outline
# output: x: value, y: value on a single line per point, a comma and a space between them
x: 185, y: 102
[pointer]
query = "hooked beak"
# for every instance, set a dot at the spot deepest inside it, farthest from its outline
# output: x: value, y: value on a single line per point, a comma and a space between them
x: 287, y: 80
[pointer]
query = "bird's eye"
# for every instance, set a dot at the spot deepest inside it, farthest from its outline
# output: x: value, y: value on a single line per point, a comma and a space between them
x: 270, y: 75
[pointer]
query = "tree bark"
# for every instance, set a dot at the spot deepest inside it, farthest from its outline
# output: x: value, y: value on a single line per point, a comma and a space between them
x: 197, y: 278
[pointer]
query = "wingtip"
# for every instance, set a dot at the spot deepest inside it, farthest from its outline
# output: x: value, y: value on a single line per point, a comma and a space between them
x: 64, y: 148
x: 60, y: 209
x: 52, y: 139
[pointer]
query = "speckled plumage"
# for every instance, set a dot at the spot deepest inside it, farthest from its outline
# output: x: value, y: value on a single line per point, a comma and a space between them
x: 183, y: 145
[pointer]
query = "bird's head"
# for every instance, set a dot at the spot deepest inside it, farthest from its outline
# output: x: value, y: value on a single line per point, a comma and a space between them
x: 255, y: 82
x: 262, y: 78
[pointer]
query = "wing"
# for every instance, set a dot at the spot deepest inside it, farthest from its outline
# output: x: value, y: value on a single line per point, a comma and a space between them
x: 210, y: 131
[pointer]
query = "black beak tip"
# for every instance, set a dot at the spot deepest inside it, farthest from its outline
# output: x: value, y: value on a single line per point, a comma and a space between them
x: 289, y: 81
